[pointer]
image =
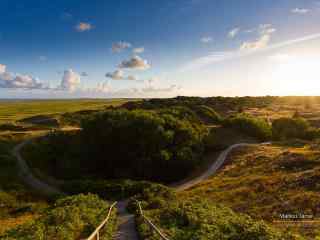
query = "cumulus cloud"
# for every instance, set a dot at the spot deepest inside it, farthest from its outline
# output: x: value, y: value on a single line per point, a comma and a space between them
x: 103, y: 87
x: 300, y: 10
x: 119, y: 46
x: 84, y: 74
x: 135, y: 62
x: 233, y: 32
x: 70, y: 80
x: 18, y: 81
x: 116, y: 75
x: 138, y: 50
x: 9, y: 80
x: 2, y: 68
x: 83, y: 26
x: 119, y: 75
x: 206, y: 39
x: 264, y: 31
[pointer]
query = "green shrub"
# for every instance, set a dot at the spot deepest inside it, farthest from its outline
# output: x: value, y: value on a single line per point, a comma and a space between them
x: 250, y: 126
x: 120, y: 144
x: 198, y: 219
x: 208, y: 115
x: 142, y: 145
x: 70, y: 218
x: 287, y: 128
x: 108, y: 189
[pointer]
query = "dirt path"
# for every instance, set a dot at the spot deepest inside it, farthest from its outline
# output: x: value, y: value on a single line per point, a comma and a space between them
x: 26, y: 175
x: 211, y: 170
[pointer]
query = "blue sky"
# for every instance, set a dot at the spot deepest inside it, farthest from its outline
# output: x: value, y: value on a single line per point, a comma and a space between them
x: 126, y: 48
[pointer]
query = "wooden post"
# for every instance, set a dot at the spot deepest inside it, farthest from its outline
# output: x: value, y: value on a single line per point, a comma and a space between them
x: 98, y: 238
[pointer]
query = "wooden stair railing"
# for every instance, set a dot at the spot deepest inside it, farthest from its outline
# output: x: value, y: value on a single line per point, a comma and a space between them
x: 96, y: 233
x: 151, y: 225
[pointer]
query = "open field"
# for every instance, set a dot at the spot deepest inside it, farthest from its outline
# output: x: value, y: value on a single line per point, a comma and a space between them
x: 11, y: 111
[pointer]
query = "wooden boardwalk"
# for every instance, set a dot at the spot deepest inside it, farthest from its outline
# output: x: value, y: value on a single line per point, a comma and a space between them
x: 127, y: 228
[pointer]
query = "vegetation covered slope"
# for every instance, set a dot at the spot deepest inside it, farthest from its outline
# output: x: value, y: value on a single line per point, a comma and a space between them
x: 69, y: 218
x: 266, y: 181
x: 17, y: 204
x: 185, y: 219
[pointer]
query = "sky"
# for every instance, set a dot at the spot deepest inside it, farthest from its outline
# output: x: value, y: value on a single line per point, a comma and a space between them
x: 151, y: 48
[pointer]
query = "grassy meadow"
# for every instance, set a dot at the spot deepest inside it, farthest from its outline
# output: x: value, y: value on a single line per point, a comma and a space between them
x: 11, y: 111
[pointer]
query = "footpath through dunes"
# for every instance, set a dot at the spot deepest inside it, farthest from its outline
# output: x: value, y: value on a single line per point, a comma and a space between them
x: 28, y: 178
x: 127, y: 229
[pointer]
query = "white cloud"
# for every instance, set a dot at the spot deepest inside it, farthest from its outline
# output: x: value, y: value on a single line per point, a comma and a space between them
x: 216, y: 57
x: 70, y: 80
x: 84, y: 74
x: 138, y: 50
x: 103, y: 87
x: 131, y: 77
x: 83, y: 26
x: 119, y: 46
x: 9, y: 80
x: 300, y: 10
x: 135, y: 62
x: 233, y: 32
x: 116, y: 75
x: 206, y: 39
x: 264, y: 31
x: 261, y: 42
x: 18, y: 81
x: 119, y: 75
x: 2, y: 68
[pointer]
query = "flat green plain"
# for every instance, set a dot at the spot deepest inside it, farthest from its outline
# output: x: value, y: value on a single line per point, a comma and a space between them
x: 11, y: 111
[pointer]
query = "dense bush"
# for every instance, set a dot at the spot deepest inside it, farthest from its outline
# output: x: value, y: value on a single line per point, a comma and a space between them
x: 286, y: 128
x: 109, y: 189
x: 250, y: 126
x: 182, y: 113
x: 199, y: 220
x: 120, y: 144
x: 70, y: 218
x: 142, y: 144
x: 208, y: 115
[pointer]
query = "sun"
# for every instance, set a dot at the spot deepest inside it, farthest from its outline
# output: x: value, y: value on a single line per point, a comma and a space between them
x: 296, y: 75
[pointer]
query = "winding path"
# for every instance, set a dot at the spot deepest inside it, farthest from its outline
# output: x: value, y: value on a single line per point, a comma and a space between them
x: 212, y: 169
x: 126, y: 228
x: 26, y: 175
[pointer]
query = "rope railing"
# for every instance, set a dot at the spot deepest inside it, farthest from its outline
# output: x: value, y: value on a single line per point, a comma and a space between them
x: 151, y: 225
x: 96, y: 233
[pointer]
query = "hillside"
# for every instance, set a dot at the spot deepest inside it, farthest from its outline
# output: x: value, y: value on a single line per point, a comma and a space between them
x: 266, y: 181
